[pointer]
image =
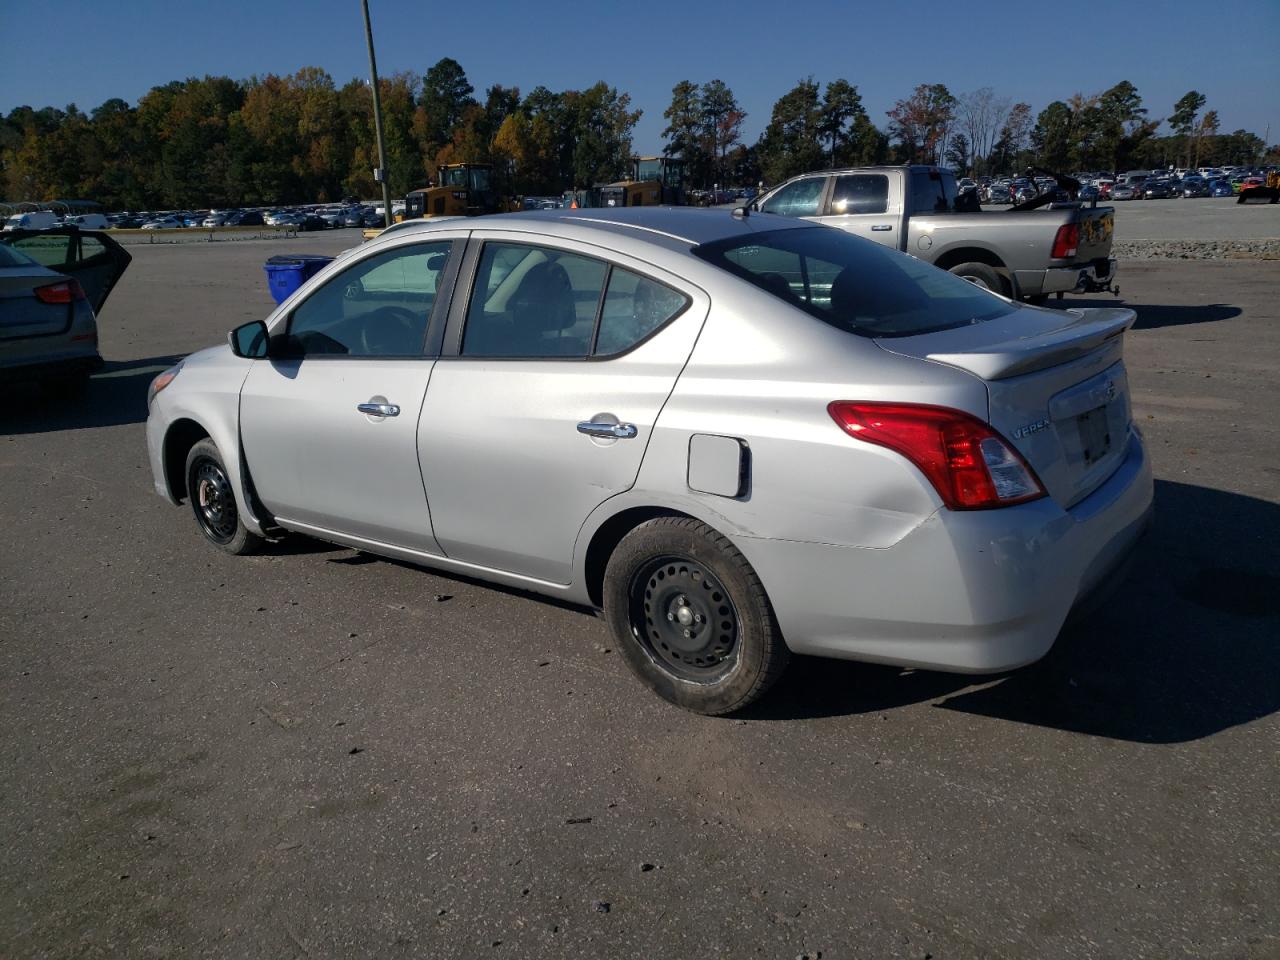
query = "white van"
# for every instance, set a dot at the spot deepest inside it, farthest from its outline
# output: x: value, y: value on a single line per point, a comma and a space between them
x: 88, y: 221
x: 39, y: 220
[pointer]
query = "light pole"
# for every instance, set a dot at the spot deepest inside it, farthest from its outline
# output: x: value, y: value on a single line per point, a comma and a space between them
x: 381, y: 173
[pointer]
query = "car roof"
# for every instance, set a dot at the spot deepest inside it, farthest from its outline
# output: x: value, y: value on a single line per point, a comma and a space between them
x: 671, y: 227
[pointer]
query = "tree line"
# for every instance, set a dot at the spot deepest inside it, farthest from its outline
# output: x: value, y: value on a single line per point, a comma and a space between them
x: 215, y: 141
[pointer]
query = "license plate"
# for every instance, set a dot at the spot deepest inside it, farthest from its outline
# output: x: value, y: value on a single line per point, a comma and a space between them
x: 1095, y: 434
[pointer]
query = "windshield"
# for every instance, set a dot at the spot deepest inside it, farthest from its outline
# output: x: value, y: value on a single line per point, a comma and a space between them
x: 479, y: 179
x: 10, y: 257
x: 853, y: 284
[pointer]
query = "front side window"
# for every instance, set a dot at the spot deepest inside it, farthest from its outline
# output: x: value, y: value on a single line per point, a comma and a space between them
x: 797, y: 199
x: 378, y: 307
x: 853, y: 284
x: 860, y: 193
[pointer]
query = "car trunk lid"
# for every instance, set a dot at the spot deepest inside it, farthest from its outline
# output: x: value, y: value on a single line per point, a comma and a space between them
x: 1056, y: 387
x: 22, y: 313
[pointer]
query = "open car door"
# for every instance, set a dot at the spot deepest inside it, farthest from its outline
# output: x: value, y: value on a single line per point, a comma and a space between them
x: 92, y: 257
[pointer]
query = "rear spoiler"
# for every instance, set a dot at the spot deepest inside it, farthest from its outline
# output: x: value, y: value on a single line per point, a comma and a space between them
x: 998, y: 361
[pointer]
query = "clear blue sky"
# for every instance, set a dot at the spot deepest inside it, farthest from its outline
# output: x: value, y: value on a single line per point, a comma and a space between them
x: 57, y: 52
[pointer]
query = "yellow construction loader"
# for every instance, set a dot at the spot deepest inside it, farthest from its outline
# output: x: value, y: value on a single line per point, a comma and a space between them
x: 654, y: 180
x: 459, y: 190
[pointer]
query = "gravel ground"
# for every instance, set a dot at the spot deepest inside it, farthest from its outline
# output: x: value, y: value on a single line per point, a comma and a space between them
x: 1197, y: 249
x: 315, y: 753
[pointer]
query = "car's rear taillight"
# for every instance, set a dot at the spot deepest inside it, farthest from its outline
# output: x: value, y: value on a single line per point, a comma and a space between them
x: 1066, y: 242
x: 970, y: 465
x: 64, y: 291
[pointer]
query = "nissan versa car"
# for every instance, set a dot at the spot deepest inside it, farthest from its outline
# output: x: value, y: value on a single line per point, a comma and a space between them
x: 738, y: 436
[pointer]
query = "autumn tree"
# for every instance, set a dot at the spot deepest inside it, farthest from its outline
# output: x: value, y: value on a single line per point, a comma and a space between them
x: 980, y: 115
x: 922, y: 123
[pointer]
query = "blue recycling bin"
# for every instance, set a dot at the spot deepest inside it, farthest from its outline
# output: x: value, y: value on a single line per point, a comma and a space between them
x: 287, y: 272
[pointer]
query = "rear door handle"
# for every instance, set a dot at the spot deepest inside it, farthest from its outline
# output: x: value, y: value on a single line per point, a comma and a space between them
x: 882, y: 226
x: 379, y: 409
x: 613, y: 431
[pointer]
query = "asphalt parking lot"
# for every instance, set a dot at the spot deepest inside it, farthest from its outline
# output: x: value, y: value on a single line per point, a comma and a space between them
x: 316, y: 753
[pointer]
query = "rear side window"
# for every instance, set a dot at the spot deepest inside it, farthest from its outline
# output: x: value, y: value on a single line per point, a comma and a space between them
x: 860, y: 193
x: 634, y: 307
x: 799, y: 198
x: 933, y: 192
x: 853, y: 284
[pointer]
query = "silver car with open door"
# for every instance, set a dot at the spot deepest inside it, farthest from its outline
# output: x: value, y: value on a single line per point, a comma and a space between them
x: 53, y: 283
x: 737, y: 436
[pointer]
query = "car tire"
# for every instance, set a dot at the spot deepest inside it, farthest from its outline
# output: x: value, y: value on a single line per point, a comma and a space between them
x: 982, y: 274
x: 691, y: 617
x: 213, y: 502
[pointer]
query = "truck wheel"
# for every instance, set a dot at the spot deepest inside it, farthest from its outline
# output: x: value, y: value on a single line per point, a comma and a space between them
x: 691, y: 617
x: 981, y: 275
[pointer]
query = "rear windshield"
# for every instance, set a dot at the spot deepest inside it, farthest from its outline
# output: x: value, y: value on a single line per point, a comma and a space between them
x: 10, y: 257
x: 853, y: 284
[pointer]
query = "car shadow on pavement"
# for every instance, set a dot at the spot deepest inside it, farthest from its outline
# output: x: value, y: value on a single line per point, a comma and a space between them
x: 116, y: 394
x: 1187, y: 647
x: 1152, y: 316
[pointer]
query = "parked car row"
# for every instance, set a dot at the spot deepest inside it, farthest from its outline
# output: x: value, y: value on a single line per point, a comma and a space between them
x: 303, y: 218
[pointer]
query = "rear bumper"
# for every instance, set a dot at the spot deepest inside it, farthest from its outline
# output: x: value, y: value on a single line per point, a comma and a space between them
x: 964, y: 592
x: 47, y: 368
x: 1090, y: 278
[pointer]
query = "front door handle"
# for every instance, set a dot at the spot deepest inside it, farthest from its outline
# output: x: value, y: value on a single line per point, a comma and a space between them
x: 379, y: 409
x: 612, y: 431
x: 882, y: 226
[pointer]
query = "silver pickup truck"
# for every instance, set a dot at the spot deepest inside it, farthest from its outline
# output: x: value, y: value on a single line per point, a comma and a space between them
x: 1023, y: 253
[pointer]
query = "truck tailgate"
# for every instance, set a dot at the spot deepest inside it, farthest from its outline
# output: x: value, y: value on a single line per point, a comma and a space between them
x: 1097, y: 226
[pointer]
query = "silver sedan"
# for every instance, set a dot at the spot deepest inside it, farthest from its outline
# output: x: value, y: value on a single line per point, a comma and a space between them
x: 739, y: 437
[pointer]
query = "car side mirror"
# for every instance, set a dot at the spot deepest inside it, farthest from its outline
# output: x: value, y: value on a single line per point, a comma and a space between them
x: 249, y: 341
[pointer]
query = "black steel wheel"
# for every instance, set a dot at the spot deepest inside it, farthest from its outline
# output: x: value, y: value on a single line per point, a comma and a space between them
x: 685, y: 618
x: 213, y: 501
x: 691, y: 617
